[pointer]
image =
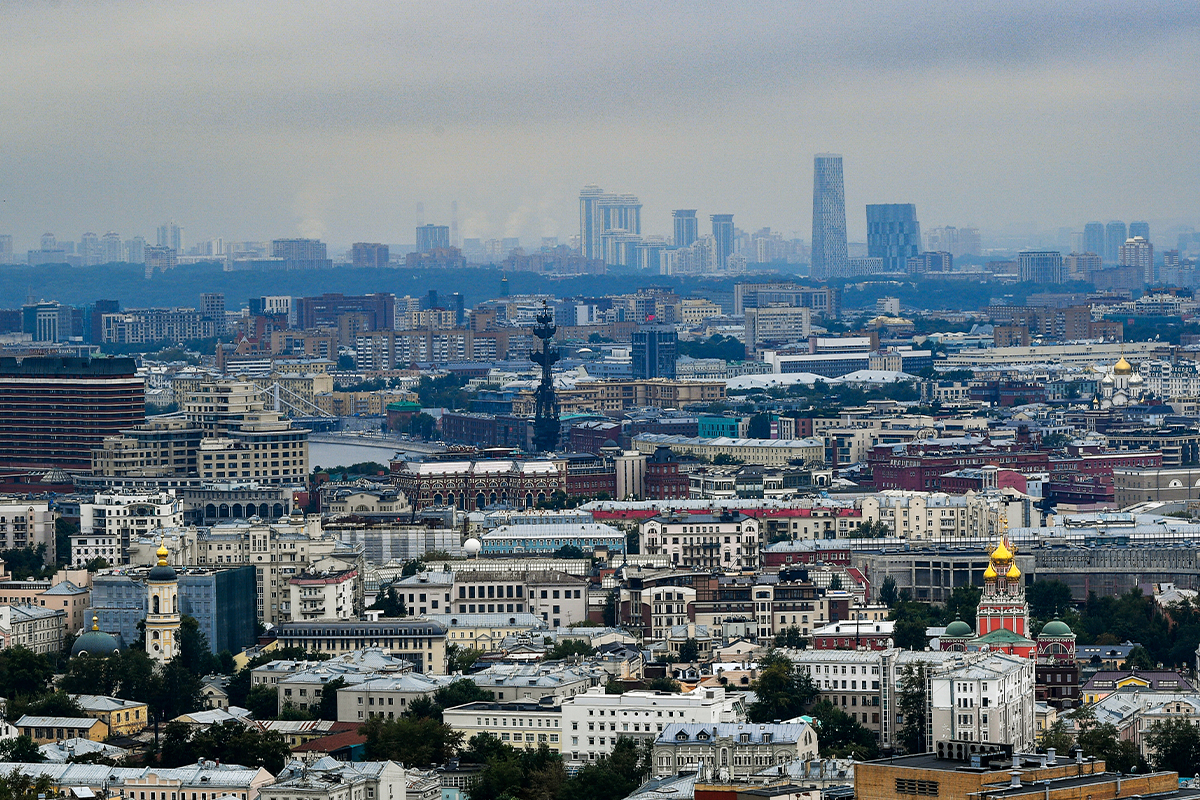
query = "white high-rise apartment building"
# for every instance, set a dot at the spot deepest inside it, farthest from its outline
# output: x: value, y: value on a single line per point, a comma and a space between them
x: 1139, y: 253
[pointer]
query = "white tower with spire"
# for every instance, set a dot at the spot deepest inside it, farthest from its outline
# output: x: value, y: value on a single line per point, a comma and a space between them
x: 162, y: 614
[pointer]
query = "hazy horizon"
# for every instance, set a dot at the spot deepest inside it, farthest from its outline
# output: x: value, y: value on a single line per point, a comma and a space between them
x: 265, y: 120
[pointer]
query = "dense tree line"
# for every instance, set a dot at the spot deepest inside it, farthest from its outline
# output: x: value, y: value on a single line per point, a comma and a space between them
x: 517, y: 774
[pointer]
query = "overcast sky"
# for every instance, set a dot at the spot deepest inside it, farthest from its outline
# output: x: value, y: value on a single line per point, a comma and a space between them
x: 253, y: 120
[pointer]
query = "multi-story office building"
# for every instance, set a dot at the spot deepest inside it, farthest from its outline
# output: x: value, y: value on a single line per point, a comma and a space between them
x: 301, y: 253
x: 519, y: 724
x: 830, y: 257
x: 159, y: 448
x: 741, y: 750
x: 933, y: 261
x: 379, y: 308
x: 115, y: 518
x: 47, y: 321
x: 654, y: 350
x: 54, y: 411
x: 278, y: 551
x: 1080, y: 266
x: 893, y: 234
x: 686, y: 228
x: 593, y: 720
x: 776, y: 326
x: 159, y: 258
x: 420, y: 641
x: 153, y: 325
x: 722, y: 231
x: 221, y: 599
x: 1114, y: 236
x: 1138, y: 253
x: 1141, y: 229
x: 603, y: 213
x: 1040, y: 266
x: 822, y: 300
x: 371, y: 255
x: 6, y: 249
x: 433, y: 237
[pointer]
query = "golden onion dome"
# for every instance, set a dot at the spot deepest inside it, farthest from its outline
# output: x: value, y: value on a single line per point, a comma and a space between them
x: 162, y: 554
x: 1122, y: 367
x: 1013, y: 573
x: 1002, y: 553
x: 990, y: 573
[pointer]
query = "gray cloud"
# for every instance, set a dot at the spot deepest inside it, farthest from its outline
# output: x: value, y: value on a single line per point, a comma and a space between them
x: 252, y: 120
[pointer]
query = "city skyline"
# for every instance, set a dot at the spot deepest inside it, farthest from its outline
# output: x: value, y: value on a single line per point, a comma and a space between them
x: 313, y: 143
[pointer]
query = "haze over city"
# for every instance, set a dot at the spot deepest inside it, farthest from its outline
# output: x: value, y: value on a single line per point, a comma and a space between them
x: 251, y: 121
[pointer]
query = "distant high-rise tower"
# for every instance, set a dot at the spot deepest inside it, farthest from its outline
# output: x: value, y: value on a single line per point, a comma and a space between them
x: 1040, y: 266
x: 893, y: 234
x: 653, y: 349
x: 1114, y: 237
x: 454, y: 240
x: 89, y: 250
x: 49, y: 242
x: 1141, y: 229
x: 432, y: 237
x: 170, y: 235
x: 1139, y: 253
x: 135, y: 250
x: 601, y: 212
x: 722, y: 231
x: 420, y: 214
x: 829, y: 256
x: 686, y: 228
x: 111, y: 248
x: 1093, y: 238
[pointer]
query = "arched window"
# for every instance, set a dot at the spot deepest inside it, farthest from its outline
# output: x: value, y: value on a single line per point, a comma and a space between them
x: 479, y: 500
x: 277, y: 510
x: 155, y: 636
x: 210, y: 511
x: 223, y: 512
x: 175, y: 604
x: 154, y: 605
x: 237, y: 510
x: 264, y: 511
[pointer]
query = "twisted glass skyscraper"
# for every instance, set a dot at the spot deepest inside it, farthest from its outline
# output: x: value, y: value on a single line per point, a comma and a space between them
x: 829, y: 257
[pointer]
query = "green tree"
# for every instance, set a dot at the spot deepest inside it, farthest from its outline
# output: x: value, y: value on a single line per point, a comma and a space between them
x: 460, y: 692
x: 63, y: 530
x: 689, y: 651
x: 24, y: 563
x: 1048, y: 599
x: 790, y: 637
x: 568, y: 648
x: 779, y: 692
x: 909, y: 633
x: 835, y: 583
x: 662, y: 685
x: 414, y: 742
x: 963, y: 604
x: 461, y: 659
x: 759, y: 426
x: 614, y: 686
x: 840, y: 735
x: 262, y: 702
x: 569, y: 551
x: 55, y: 704
x: 21, y: 750
x: 327, y: 708
x: 1174, y: 745
x: 610, y: 610
x: 1104, y: 741
x: 23, y: 673
x: 390, y: 602
x: 911, y: 704
x: 1139, y: 658
x: 194, y: 652
x: 1058, y: 736
x: 887, y: 591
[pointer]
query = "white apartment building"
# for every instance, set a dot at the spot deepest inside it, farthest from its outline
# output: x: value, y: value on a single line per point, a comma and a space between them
x: 864, y: 683
x: 728, y: 540
x: 987, y: 697
x: 935, y: 515
x: 279, y: 552
x: 323, y: 595
x: 593, y: 721
x: 27, y: 523
x: 520, y: 724
x: 558, y: 598
x: 114, y: 519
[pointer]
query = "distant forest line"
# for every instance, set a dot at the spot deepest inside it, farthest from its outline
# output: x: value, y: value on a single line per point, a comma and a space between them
x: 183, y: 285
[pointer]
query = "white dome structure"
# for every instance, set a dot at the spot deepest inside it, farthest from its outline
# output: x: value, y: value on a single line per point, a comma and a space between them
x: 472, y: 547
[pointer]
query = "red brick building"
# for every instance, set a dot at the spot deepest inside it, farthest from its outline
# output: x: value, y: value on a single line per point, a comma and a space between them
x: 919, y: 466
